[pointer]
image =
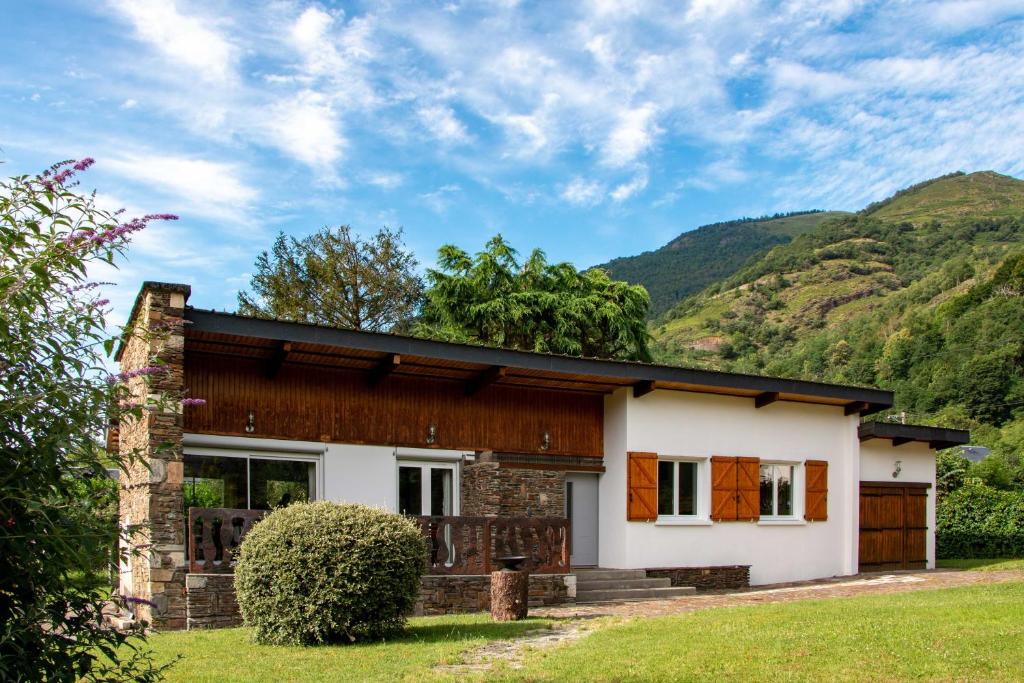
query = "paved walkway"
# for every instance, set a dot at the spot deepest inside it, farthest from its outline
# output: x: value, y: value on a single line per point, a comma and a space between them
x: 862, y: 584
x: 578, y: 621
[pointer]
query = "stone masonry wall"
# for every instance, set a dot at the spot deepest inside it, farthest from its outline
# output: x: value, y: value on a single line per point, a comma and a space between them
x: 462, y: 594
x: 151, y: 490
x: 731, y: 577
x: 211, y: 601
x: 493, y: 490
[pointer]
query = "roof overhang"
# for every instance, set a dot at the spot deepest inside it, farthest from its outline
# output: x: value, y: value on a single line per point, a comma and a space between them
x: 936, y: 437
x: 273, y: 341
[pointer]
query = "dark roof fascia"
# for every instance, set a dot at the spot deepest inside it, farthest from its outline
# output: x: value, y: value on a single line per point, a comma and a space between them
x: 147, y: 285
x: 936, y: 437
x: 243, y: 326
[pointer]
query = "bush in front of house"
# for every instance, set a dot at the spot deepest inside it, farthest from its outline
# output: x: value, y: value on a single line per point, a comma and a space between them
x: 977, y: 520
x: 315, y: 573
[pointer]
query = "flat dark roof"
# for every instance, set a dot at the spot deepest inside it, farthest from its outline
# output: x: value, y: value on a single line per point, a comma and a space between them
x: 936, y: 437
x: 213, y: 331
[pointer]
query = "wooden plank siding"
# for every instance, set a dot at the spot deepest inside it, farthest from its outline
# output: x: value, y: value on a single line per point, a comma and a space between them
x: 893, y: 526
x: 337, y: 405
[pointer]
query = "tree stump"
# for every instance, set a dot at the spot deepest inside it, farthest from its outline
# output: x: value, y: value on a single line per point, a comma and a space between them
x: 510, y: 595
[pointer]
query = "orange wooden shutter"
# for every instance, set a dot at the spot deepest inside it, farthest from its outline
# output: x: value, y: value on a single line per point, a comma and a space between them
x: 642, y: 487
x: 816, y: 490
x: 723, y: 488
x: 748, y: 488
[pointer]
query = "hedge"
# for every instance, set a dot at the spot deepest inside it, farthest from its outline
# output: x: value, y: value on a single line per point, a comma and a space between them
x: 323, y: 572
x: 976, y: 520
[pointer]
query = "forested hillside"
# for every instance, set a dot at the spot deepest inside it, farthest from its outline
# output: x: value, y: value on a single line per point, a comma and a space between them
x: 922, y: 293
x: 695, y: 259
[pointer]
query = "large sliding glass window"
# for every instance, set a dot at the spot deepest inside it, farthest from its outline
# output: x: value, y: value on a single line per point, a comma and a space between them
x: 247, y: 482
x: 426, y: 488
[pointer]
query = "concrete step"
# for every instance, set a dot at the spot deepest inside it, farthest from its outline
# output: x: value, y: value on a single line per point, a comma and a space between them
x: 608, y: 574
x: 605, y: 584
x: 633, y: 594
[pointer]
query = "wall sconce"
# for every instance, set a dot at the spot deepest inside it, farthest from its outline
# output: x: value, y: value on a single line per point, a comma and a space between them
x: 432, y: 433
x: 899, y: 468
x: 545, y: 441
x: 250, y: 423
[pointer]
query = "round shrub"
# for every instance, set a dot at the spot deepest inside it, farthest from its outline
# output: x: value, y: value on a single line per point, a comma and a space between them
x: 325, y: 572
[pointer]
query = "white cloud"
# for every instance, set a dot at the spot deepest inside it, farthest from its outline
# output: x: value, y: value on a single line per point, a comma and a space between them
x: 186, y: 40
x: 583, y: 192
x: 440, y: 199
x: 441, y: 122
x: 631, y: 137
x: 630, y: 188
x: 129, y: 104
x: 385, y: 180
x: 305, y: 127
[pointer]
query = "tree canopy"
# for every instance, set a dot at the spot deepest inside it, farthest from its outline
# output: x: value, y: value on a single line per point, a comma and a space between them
x: 493, y: 299
x: 335, y: 278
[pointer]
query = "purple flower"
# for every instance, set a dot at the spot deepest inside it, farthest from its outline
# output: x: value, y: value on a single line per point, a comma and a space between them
x: 193, y: 401
x: 83, y: 164
x: 101, y: 303
x: 138, y: 372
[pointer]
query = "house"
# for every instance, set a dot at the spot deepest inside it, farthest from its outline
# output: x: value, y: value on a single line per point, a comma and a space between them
x: 690, y: 477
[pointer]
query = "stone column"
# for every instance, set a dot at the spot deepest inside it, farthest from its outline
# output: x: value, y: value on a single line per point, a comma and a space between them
x: 493, y: 490
x: 151, y: 491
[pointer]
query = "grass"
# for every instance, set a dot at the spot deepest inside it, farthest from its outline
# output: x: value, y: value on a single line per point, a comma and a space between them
x: 973, y: 633
x: 983, y: 564
x: 226, y: 655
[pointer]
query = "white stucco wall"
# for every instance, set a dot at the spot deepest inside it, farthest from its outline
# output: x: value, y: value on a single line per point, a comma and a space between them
x: 917, y: 464
x: 690, y: 424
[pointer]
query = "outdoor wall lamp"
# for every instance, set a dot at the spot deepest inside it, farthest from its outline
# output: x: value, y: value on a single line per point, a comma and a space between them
x: 545, y: 441
x: 899, y: 468
x: 432, y: 433
x: 250, y: 423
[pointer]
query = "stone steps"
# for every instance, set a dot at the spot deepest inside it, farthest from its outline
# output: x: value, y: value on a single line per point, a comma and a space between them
x: 603, y: 585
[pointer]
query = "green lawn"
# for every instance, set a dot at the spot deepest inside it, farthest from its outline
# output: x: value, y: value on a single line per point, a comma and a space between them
x: 973, y: 633
x: 227, y: 655
x: 984, y: 565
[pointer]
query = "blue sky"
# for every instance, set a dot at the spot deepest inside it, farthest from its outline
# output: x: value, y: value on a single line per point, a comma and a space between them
x: 590, y: 129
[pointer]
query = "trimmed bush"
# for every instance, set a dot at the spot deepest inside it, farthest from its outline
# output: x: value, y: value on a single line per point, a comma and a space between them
x: 977, y: 520
x: 323, y: 572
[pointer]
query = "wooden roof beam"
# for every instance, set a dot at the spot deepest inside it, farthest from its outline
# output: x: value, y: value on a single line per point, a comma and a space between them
x: 855, y: 408
x: 278, y: 358
x: 643, y: 388
x: 765, y: 398
x: 485, y: 379
x: 388, y: 365
x: 900, y: 440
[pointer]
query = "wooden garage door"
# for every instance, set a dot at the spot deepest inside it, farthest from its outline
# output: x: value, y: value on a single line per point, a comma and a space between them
x: 893, y: 526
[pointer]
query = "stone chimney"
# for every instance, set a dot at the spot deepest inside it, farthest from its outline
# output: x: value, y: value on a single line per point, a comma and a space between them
x: 151, y: 492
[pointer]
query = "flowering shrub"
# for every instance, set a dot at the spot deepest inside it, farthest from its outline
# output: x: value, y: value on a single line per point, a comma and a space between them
x: 315, y: 573
x: 58, y: 519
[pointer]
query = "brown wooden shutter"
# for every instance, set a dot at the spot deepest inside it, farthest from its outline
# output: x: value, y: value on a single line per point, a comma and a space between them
x: 816, y: 490
x: 641, y: 487
x: 748, y: 488
x: 723, y: 488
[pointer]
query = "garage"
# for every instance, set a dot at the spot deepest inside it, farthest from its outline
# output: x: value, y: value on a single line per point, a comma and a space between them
x: 893, y: 526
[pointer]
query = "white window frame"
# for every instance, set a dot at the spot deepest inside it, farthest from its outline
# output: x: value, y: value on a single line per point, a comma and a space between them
x: 248, y: 455
x: 797, y: 487
x: 702, y: 516
x: 426, y: 466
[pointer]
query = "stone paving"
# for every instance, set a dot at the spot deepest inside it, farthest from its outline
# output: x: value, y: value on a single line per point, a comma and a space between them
x: 578, y: 621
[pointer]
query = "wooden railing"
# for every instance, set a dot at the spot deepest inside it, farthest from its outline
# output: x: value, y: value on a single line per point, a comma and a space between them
x: 455, y: 545
x: 469, y: 545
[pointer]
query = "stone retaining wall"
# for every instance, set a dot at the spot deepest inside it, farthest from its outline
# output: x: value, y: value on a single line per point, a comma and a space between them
x: 211, y: 602
x: 730, y: 577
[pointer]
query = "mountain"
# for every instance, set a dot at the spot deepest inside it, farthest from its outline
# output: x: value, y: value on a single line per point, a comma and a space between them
x: 922, y: 293
x: 699, y: 257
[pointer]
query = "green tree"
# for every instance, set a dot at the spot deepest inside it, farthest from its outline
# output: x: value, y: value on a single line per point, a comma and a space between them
x: 56, y: 399
x: 333, y: 277
x: 535, y: 306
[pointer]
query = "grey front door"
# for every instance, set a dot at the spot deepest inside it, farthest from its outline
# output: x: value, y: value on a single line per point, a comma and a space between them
x: 581, y: 509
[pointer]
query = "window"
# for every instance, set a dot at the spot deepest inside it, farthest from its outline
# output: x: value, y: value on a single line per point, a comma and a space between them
x: 247, y: 482
x: 777, y: 490
x: 677, y: 488
x: 426, y: 488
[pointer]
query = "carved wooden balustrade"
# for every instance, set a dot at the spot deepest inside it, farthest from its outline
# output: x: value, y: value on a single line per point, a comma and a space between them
x: 455, y: 545
x: 214, y: 535
x: 468, y: 545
